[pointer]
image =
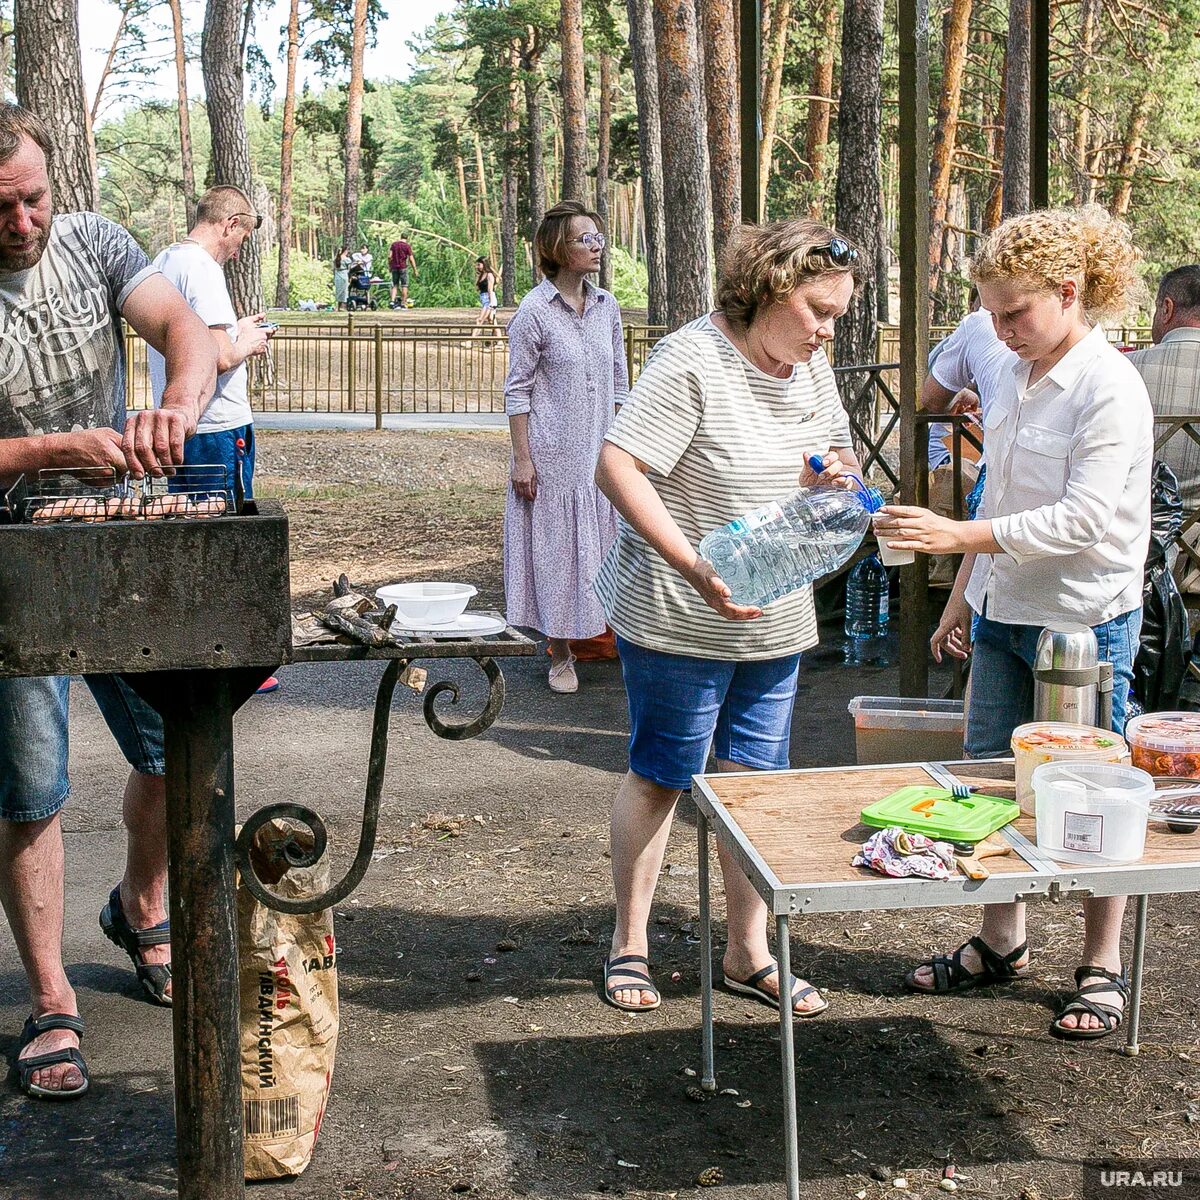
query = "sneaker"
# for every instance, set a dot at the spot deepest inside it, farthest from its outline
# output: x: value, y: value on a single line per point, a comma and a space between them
x: 563, y: 678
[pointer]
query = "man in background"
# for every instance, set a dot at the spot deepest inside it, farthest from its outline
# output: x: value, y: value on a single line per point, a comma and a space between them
x: 401, y: 260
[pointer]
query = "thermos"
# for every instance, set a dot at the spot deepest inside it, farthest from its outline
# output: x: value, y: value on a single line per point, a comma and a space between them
x: 1070, y: 683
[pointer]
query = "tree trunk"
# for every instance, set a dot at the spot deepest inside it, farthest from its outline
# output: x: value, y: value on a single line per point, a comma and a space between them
x: 535, y: 132
x: 945, y: 130
x: 603, y: 157
x: 644, y: 55
x: 719, y: 28
x: 460, y: 173
x: 574, y: 102
x: 354, y: 107
x: 781, y: 15
x: 509, y: 158
x: 221, y: 61
x: 1017, y: 112
x: 50, y: 83
x: 185, y: 119
x: 1131, y: 151
x: 685, y: 161
x: 1089, y: 17
x: 482, y: 188
x: 816, y: 137
x: 992, y: 213
x: 286, y: 142
x: 859, y: 213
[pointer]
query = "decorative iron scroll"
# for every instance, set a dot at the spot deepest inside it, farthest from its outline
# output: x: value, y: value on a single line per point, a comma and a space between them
x: 297, y: 850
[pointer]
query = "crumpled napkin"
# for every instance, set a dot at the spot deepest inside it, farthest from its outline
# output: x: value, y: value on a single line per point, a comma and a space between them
x: 895, y: 852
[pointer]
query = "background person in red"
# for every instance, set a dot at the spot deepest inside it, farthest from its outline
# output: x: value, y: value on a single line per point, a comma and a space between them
x: 400, y: 259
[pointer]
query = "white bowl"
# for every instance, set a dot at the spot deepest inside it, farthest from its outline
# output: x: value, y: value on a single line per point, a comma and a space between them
x: 428, y: 603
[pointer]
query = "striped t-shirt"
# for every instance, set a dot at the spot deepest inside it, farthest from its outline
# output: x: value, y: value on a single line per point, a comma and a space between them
x: 720, y: 438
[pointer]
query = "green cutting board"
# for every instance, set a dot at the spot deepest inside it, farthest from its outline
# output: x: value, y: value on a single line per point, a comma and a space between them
x: 936, y: 813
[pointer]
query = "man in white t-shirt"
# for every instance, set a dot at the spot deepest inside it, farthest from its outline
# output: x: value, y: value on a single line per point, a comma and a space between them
x: 225, y: 218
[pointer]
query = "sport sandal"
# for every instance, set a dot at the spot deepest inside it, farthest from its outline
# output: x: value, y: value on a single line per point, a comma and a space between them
x: 635, y: 981
x: 154, y: 977
x: 949, y: 974
x: 27, y: 1067
x: 1078, y: 1004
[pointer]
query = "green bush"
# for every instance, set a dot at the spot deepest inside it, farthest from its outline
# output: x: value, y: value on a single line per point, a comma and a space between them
x: 308, y: 278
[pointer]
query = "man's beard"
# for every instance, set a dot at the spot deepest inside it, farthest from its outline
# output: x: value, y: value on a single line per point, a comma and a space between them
x: 29, y: 255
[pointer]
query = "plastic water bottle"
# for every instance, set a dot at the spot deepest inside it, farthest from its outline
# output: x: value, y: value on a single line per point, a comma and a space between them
x: 867, y: 611
x: 790, y: 542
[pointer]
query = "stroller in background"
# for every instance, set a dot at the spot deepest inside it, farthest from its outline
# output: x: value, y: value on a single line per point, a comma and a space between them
x: 358, y: 296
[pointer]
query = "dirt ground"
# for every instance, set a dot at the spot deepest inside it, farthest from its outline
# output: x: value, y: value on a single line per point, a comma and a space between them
x: 476, y: 1057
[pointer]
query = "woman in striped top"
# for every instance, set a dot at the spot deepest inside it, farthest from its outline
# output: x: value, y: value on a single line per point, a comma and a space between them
x: 722, y: 420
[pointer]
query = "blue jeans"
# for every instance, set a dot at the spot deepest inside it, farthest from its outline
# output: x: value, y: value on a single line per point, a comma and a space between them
x: 207, y: 449
x: 1002, y: 678
x: 33, y: 739
x: 680, y: 705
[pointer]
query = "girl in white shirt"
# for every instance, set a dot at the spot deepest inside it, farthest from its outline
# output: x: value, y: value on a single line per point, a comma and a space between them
x: 1062, y: 537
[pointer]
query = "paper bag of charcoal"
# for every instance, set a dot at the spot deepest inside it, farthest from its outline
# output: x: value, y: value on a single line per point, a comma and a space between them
x: 289, y: 1010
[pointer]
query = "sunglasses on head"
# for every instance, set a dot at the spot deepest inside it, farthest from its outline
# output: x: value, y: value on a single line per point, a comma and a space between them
x: 258, y: 219
x: 839, y: 251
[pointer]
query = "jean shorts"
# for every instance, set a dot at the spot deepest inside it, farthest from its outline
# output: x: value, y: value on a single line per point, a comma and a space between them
x: 33, y: 739
x: 1002, y: 678
x: 679, y: 706
x: 220, y: 449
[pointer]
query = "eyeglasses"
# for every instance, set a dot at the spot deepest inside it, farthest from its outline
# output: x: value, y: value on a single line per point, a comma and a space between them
x: 593, y: 241
x: 840, y: 252
x: 258, y: 218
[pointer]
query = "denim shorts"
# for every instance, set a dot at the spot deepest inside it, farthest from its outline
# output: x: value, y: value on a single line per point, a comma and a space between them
x: 1002, y: 678
x: 680, y: 705
x: 206, y: 449
x: 33, y: 739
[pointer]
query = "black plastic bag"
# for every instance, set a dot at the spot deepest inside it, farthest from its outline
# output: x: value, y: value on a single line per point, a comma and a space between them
x: 1162, y: 658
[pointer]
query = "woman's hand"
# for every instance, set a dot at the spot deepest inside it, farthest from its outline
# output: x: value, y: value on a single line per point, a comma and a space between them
x: 953, y: 634
x: 714, y: 591
x: 906, y: 528
x: 524, y: 479
x: 835, y: 474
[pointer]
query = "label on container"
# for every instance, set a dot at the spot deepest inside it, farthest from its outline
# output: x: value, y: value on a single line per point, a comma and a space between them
x: 1083, y: 832
x: 757, y: 519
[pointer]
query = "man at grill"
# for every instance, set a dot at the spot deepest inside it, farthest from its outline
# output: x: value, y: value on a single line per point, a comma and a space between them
x: 65, y: 284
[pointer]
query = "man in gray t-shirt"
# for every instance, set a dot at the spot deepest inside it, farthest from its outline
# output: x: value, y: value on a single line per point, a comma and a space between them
x: 65, y: 284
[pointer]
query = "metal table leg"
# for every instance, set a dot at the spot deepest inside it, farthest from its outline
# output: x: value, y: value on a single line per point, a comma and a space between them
x: 708, y: 1080
x: 197, y: 709
x: 1131, y: 1046
x: 791, y: 1148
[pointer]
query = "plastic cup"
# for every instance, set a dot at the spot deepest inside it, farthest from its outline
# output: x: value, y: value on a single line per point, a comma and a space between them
x: 894, y: 558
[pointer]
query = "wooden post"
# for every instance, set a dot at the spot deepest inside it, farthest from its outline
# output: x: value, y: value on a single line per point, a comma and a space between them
x: 378, y: 376
x: 914, y: 325
x: 348, y: 401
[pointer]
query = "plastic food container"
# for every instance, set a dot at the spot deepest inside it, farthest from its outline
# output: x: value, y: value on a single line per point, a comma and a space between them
x: 1059, y: 741
x: 1092, y: 812
x: 888, y: 729
x: 1166, y: 743
x: 430, y: 603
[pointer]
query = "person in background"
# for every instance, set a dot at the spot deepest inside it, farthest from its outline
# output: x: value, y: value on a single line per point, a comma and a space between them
x: 566, y: 376
x: 401, y: 260
x: 225, y: 221
x: 485, y: 282
x: 66, y: 282
x: 1170, y: 370
x: 1061, y: 537
x: 723, y: 419
x: 341, y: 278
x: 363, y: 258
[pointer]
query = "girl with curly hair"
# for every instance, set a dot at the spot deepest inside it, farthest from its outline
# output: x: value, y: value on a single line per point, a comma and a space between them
x: 1062, y: 537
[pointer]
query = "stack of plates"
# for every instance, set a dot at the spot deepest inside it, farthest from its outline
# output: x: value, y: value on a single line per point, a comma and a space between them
x: 468, y: 625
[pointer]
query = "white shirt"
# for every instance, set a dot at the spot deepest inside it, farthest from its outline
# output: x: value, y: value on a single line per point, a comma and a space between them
x: 973, y: 356
x: 199, y: 277
x: 1068, y: 491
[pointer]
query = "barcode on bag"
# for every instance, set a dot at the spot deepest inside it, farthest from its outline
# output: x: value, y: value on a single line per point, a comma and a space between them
x: 272, y: 1118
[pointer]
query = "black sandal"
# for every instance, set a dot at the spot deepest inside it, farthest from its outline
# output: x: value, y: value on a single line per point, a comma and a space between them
x: 641, y: 983
x: 949, y: 974
x: 1108, y: 1014
x: 154, y: 977
x: 35, y: 1027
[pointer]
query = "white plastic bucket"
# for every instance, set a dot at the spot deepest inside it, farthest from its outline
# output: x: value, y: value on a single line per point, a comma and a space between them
x: 1092, y: 813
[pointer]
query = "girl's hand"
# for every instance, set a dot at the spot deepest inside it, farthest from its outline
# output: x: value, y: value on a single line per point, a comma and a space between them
x: 906, y: 528
x: 524, y: 479
x: 953, y: 634
x: 714, y: 591
x: 836, y: 473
